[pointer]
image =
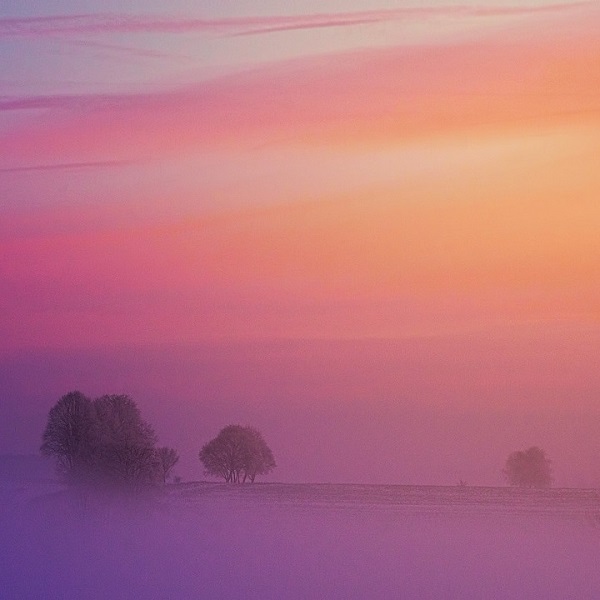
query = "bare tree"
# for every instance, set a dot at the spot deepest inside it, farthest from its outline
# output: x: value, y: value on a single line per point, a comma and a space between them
x: 528, y: 468
x: 259, y: 459
x: 125, y: 448
x: 237, y: 454
x: 167, y: 459
x: 223, y: 456
x: 103, y: 441
x: 70, y: 435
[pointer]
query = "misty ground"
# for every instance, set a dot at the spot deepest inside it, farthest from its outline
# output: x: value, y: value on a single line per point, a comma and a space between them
x: 202, y: 540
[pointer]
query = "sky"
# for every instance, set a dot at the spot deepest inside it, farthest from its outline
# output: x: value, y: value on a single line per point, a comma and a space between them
x: 371, y: 224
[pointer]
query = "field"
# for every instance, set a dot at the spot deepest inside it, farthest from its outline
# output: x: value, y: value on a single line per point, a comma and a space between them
x: 203, y: 540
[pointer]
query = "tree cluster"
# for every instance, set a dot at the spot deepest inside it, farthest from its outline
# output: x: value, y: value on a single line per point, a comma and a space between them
x: 237, y: 454
x: 528, y: 468
x: 104, y: 441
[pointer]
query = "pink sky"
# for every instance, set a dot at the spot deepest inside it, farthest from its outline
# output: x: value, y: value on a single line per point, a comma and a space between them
x: 402, y: 173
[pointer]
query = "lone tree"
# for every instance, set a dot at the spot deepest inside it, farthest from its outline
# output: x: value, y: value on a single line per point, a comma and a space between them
x: 102, y: 441
x: 528, y: 468
x: 237, y: 454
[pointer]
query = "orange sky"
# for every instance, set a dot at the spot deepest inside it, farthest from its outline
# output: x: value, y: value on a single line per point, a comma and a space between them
x: 504, y: 229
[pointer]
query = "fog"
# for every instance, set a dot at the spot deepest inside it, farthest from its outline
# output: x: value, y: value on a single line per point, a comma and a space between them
x: 413, y: 411
x: 274, y: 541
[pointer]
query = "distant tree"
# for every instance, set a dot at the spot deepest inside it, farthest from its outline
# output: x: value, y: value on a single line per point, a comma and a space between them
x: 237, y: 454
x: 70, y: 435
x: 103, y: 441
x: 167, y: 459
x: 528, y: 468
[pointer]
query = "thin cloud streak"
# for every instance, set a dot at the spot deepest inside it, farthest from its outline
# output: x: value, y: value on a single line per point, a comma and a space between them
x: 127, y: 50
x: 63, y: 101
x: 71, y: 165
x: 96, y: 24
x: 374, y: 17
x: 388, y: 94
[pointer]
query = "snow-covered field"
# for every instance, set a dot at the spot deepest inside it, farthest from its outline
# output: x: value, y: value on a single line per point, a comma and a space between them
x: 304, y: 541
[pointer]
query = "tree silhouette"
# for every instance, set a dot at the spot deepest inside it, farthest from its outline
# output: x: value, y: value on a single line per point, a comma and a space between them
x: 103, y: 441
x: 125, y: 442
x: 237, y: 454
x: 528, y: 468
x: 70, y: 435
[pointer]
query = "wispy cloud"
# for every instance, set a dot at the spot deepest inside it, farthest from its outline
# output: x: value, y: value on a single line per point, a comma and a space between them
x: 95, y: 24
x: 70, y: 165
x: 360, y: 96
x: 275, y: 24
x: 121, y: 49
x: 61, y: 101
